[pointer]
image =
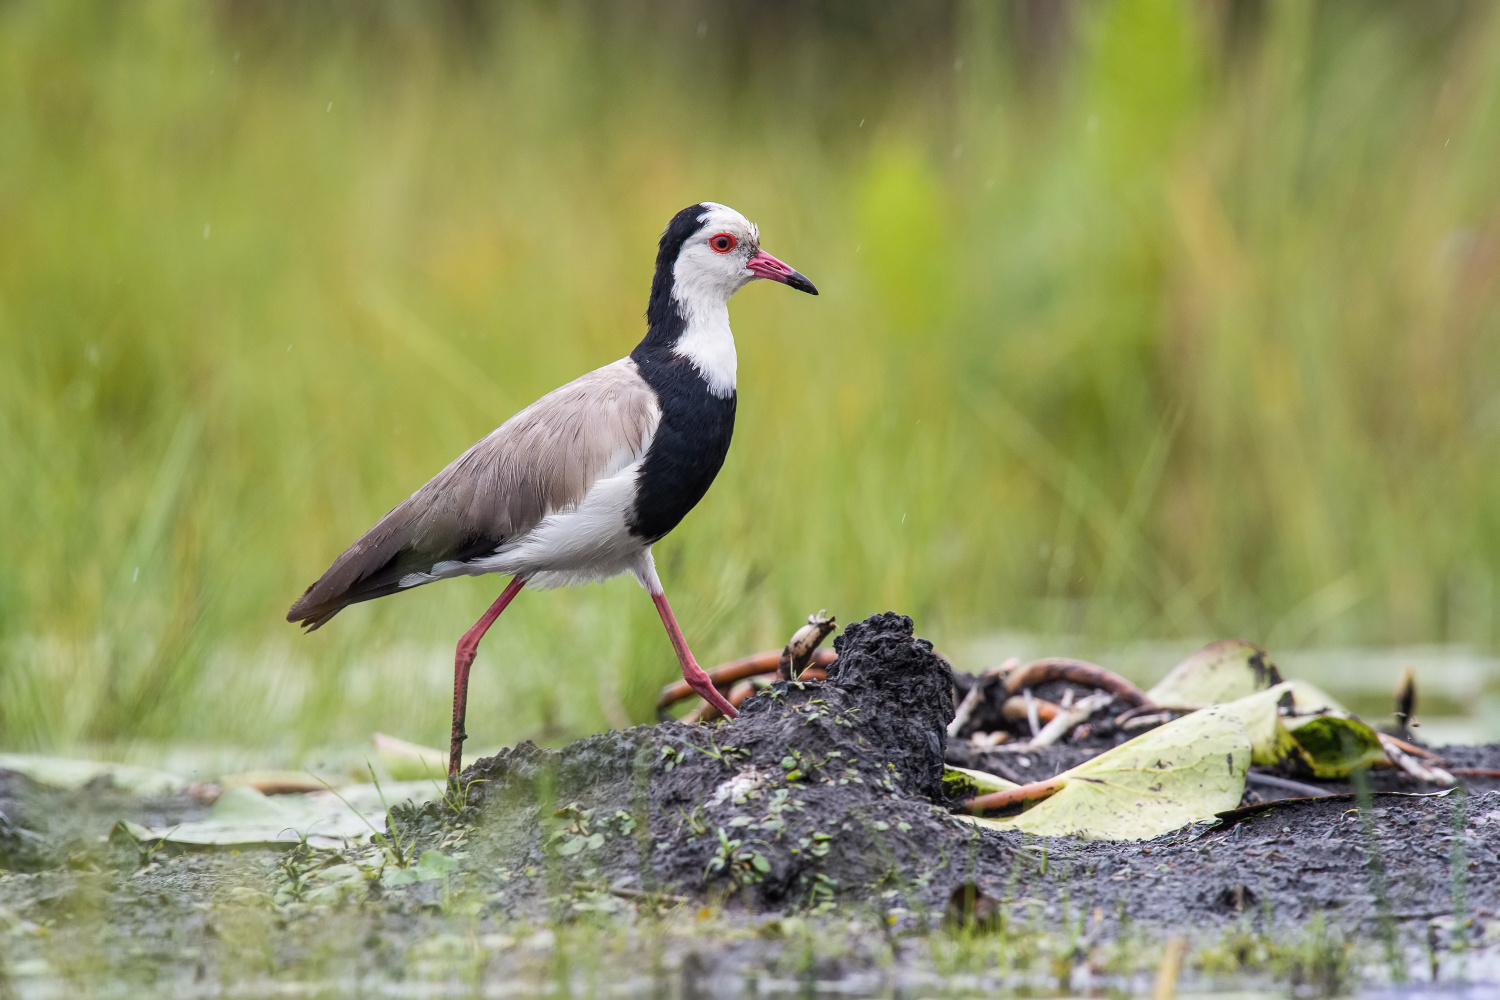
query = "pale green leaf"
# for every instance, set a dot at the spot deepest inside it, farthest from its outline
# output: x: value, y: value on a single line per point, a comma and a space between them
x: 1220, y: 672
x: 1269, y: 741
x: 409, y: 761
x: 1311, y: 698
x: 67, y: 773
x: 1184, y: 771
x: 243, y: 816
x: 1273, y: 737
x: 963, y: 782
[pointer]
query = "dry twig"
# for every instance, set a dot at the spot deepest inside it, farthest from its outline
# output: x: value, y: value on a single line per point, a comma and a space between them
x: 1057, y: 668
x: 1015, y: 710
x: 1413, y: 749
x: 1063, y: 722
x: 1430, y: 773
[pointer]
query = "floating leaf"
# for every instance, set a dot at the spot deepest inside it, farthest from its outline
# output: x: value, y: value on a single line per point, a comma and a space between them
x: 1165, y: 778
x: 410, y: 761
x: 67, y: 773
x: 244, y: 817
x: 1220, y: 672
x: 274, y: 782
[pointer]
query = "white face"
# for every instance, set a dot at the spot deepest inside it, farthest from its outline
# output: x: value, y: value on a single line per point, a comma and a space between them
x: 712, y: 264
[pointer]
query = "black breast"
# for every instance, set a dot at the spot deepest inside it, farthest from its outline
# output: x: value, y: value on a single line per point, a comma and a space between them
x: 689, y: 446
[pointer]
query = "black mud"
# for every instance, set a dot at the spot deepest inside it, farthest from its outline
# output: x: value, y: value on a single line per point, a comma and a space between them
x: 819, y: 791
x: 835, y: 788
x: 821, y: 802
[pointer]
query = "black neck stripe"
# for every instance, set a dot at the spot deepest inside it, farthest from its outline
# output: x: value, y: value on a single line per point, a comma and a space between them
x: 661, y: 316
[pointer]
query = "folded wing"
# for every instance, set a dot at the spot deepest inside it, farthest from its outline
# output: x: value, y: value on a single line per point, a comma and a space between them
x: 542, y: 460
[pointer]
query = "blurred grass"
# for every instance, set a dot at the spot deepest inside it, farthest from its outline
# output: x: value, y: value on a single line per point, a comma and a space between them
x: 1142, y: 319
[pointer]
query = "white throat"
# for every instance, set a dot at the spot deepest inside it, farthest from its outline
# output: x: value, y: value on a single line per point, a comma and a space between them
x: 707, y: 342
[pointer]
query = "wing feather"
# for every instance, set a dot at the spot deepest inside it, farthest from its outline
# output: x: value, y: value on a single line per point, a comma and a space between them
x: 541, y: 460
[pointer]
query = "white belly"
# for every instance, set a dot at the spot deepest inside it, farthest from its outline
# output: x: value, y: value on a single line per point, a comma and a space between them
x: 582, y: 544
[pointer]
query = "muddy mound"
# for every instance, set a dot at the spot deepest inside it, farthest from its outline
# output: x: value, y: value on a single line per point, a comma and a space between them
x: 818, y: 791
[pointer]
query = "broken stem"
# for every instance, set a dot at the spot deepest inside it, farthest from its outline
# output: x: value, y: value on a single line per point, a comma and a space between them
x: 1057, y: 668
x: 966, y: 708
x: 1413, y: 749
x: 1017, y: 710
x: 1062, y: 724
x: 1010, y: 798
x: 1429, y: 773
x: 803, y: 644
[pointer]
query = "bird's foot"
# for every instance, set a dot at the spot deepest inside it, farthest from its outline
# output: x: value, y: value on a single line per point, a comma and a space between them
x: 701, y: 683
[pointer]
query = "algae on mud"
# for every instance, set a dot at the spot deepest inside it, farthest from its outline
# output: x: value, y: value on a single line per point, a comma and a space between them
x: 817, y: 791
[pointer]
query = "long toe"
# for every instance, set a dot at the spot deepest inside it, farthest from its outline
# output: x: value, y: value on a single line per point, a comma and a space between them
x: 711, y: 694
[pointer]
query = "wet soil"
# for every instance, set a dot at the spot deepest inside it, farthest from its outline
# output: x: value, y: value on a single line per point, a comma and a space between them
x: 811, y: 834
x: 835, y: 788
x: 818, y: 791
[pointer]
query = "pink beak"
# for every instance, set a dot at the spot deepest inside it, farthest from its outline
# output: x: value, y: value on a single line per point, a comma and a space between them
x: 765, y: 266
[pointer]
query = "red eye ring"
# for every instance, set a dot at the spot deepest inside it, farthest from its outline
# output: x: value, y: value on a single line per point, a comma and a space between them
x: 722, y: 242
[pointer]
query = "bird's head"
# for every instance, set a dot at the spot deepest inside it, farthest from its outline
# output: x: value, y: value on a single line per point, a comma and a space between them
x: 708, y: 252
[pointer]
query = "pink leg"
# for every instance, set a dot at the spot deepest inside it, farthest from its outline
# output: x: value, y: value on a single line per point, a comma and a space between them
x: 467, y: 647
x: 695, y: 675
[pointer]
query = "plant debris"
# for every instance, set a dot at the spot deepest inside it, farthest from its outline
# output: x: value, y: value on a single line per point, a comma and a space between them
x: 825, y: 808
x: 1088, y: 709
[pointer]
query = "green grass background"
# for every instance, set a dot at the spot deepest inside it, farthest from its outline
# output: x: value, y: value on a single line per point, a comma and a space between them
x: 1145, y: 319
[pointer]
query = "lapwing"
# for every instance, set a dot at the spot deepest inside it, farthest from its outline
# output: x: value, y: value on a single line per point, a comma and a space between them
x: 582, y: 483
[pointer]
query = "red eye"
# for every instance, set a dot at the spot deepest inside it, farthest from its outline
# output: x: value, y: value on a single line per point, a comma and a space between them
x: 723, y: 242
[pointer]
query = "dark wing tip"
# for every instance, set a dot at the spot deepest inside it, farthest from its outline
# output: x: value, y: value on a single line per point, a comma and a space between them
x: 309, y: 615
x: 313, y: 622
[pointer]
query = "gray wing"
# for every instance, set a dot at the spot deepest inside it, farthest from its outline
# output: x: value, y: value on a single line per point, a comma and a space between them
x: 543, y: 459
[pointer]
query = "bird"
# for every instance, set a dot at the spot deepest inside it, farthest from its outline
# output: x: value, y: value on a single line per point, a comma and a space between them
x: 579, y: 486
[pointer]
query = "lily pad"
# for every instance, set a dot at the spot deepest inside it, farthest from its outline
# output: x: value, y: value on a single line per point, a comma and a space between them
x: 1166, y: 778
x: 67, y: 773
x: 243, y: 817
x: 1220, y: 672
x: 406, y: 761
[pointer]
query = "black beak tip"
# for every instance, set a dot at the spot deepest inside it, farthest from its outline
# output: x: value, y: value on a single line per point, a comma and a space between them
x: 797, y: 281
